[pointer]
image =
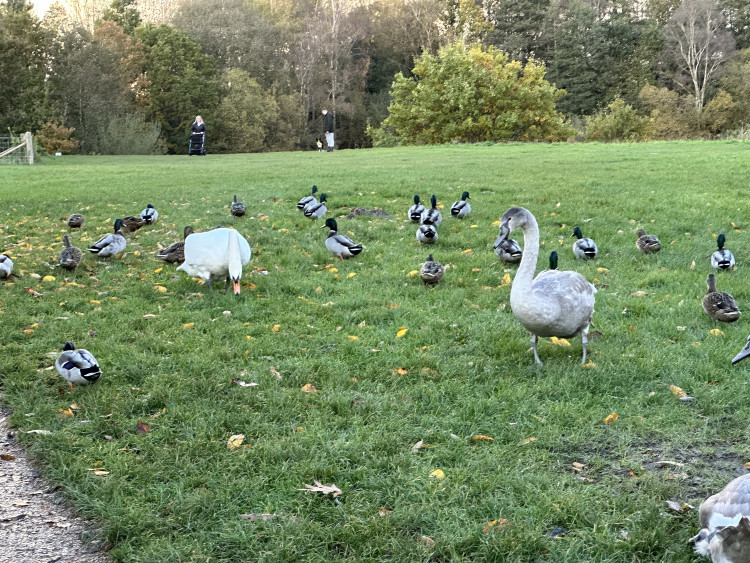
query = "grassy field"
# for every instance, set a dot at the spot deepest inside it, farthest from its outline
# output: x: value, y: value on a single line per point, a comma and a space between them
x: 528, y: 470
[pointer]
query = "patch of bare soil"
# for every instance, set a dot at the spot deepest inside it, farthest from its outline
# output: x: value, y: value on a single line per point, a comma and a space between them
x: 357, y: 211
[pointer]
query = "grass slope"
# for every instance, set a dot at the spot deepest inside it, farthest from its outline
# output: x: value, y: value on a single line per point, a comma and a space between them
x: 462, y: 369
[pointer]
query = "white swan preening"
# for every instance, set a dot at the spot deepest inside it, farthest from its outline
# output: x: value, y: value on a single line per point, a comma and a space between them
x: 77, y: 366
x: 220, y: 253
x: 555, y: 303
x: 725, y: 524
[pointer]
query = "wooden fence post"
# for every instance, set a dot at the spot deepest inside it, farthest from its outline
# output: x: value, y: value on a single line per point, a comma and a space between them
x: 29, y: 139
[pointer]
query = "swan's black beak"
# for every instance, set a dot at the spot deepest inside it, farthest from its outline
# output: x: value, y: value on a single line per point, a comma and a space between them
x: 503, y: 236
x: 744, y: 353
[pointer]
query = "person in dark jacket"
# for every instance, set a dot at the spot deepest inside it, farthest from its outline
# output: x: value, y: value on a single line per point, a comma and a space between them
x: 328, y: 128
x: 197, y: 137
x: 198, y: 126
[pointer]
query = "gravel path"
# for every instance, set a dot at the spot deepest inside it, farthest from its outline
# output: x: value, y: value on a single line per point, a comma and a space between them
x: 35, y: 527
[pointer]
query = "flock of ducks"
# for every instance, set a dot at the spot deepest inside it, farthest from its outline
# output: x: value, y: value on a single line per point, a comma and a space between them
x: 554, y: 303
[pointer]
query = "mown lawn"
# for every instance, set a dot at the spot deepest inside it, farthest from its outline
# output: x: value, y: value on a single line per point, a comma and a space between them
x: 528, y: 469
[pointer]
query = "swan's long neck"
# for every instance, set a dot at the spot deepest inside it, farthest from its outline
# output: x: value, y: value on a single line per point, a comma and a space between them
x: 525, y: 275
x: 234, y: 259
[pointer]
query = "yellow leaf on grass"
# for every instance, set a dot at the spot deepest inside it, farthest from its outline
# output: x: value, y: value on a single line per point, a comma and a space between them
x: 187, y: 325
x: 746, y: 465
x: 715, y: 332
x: 496, y: 223
x: 275, y: 328
x: 352, y: 337
x: 559, y: 341
x: 506, y: 279
x: 677, y: 391
x: 437, y: 474
x: 66, y: 412
x: 589, y: 364
x: 235, y: 441
x: 158, y: 270
x: 527, y: 440
x: 309, y: 388
x: 333, y: 270
x: 137, y: 252
x: 692, y: 265
x: 602, y: 270
x: 403, y: 330
x: 160, y: 288
x: 48, y: 278
x: 400, y: 371
x: 480, y: 437
x: 467, y: 251
x: 412, y: 273
x: 94, y: 301
x: 496, y: 525
x: 351, y: 274
x: 610, y: 418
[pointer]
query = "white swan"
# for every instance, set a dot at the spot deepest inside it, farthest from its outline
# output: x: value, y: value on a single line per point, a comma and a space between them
x: 725, y: 524
x: 218, y: 254
x: 555, y: 303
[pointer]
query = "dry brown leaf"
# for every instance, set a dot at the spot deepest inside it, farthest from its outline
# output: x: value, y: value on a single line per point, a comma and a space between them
x: 142, y: 427
x: 426, y: 540
x: 527, y: 440
x: 275, y: 373
x: 400, y: 371
x: 578, y: 466
x: 235, y: 441
x: 309, y: 388
x: 383, y: 511
x: 480, y: 437
x: 498, y: 524
x: 66, y: 412
x: 321, y: 488
x: 610, y: 418
x: 7, y: 457
x: 677, y: 391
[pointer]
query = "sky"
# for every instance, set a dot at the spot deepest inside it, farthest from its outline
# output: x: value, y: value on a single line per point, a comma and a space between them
x: 40, y: 6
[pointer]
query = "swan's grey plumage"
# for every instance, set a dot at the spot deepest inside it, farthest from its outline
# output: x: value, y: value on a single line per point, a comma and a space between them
x: 719, y: 305
x: 77, y: 365
x: 462, y: 208
x: 557, y: 302
x: 725, y: 524
x: 584, y: 247
x: 427, y: 234
x: 432, y: 271
x: 70, y: 256
x: 340, y: 245
x: 722, y: 259
x: 416, y: 210
x: 217, y: 254
x: 110, y: 244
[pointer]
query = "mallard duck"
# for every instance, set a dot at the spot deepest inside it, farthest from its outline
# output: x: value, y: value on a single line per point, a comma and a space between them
x: 583, y: 247
x: 131, y: 224
x: 432, y: 216
x: 507, y: 249
x: 149, y: 215
x: 75, y: 221
x: 722, y: 259
x: 111, y: 244
x: 648, y: 244
x: 317, y: 210
x: 238, y: 208
x: 461, y: 209
x: 725, y: 524
x: 308, y: 199
x: 427, y: 234
x: 719, y: 305
x: 339, y: 245
x: 220, y: 253
x: 416, y: 210
x: 70, y: 256
x: 175, y: 253
x: 6, y: 266
x: 431, y: 272
x: 555, y: 303
x: 553, y: 260
x: 77, y: 365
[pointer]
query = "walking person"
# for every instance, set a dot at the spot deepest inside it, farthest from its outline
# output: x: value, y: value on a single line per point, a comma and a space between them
x: 328, y: 128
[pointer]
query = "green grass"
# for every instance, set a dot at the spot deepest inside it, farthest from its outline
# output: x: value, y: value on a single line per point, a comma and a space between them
x: 178, y: 493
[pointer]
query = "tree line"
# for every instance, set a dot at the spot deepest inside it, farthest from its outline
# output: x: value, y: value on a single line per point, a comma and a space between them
x: 128, y: 77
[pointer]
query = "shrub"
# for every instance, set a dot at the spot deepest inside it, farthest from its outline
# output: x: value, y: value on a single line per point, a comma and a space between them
x: 618, y: 122
x: 131, y: 134
x: 53, y: 138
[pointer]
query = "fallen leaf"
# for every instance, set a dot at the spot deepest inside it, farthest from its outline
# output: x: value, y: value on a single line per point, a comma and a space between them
x: 412, y: 273
x: 235, y: 441
x: 527, y: 440
x: 66, y: 412
x: 275, y: 373
x: 352, y: 337
x: 610, y: 418
x: 692, y: 265
x: 160, y: 288
x: 400, y: 371
x: 677, y: 391
x: 416, y: 447
x: 559, y: 341
x: 187, y: 325
x: 506, y: 280
x: 142, y: 427
x: 403, y: 330
x: 589, y: 364
x: 384, y: 511
x: 309, y: 388
x: 149, y: 316
x: 577, y: 466
x: 321, y: 488
x: 242, y: 383
x: 639, y: 294
x: 498, y: 524
x: 674, y: 505
x: 716, y: 332
x: 351, y: 274
x: 48, y: 278
x: 437, y: 474
x: 7, y: 457
x: 426, y: 540
x: 480, y: 437
x: 602, y: 270
x: 275, y: 328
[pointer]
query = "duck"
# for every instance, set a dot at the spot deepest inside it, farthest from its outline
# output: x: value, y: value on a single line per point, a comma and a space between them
x: 175, y: 253
x: 648, y: 244
x: 110, y: 244
x: 149, y: 215
x: 427, y: 234
x: 584, y: 248
x: 722, y: 259
x: 70, y: 256
x: 75, y: 221
x: 308, y: 199
x: 432, y: 216
x: 507, y: 249
x: 557, y: 302
x: 238, y: 208
x: 553, y: 260
x: 725, y: 524
x: 317, y: 210
x: 461, y: 209
x: 77, y: 365
x: 216, y: 254
x: 6, y: 266
x: 416, y: 210
x: 431, y: 271
x: 341, y: 246
x: 719, y: 305
x: 131, y: 224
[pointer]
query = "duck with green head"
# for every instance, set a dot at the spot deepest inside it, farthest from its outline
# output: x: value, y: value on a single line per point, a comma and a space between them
x: 340, y: 245
x: 110, y: 244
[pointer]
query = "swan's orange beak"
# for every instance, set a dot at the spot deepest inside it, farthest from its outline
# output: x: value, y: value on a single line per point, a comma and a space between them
x: 236, y: 286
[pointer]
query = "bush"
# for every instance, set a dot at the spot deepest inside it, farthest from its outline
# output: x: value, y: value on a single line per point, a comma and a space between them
x: 383, y: 137
x: 618, y: 122
x: 54, y: 138
x: 672, y: 116
x: 131, y: 134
